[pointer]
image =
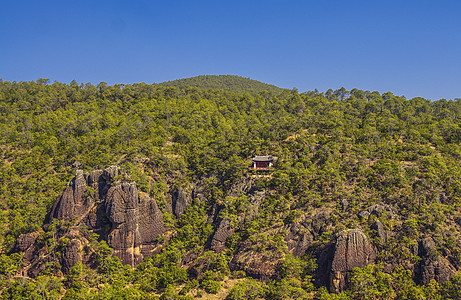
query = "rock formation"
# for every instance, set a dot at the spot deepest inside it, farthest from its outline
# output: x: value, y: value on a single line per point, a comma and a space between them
x: 352, y: 249
x: 129, y: 221
x: 433, y: 265
x: 298, y: 239
x: 262, y: 264
x: 179, y: 202
x: 224, y: 230
x: 376, y: 210
x: 136, y: 223
x: 380, y: 231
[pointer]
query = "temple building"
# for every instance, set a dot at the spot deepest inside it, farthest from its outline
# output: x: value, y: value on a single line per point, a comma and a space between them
x: 263, y: 162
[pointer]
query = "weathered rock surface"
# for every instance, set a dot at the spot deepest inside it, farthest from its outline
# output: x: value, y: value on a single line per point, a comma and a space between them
x: 433, y: 265
x: 380, y: 231
x: 262, y: 264
x: 352, y: 250
x: 136, y: 223
x: 344, y: 204
x: 376, y: 210
x: 179, y: 202
x: 25, y: 243
x: 129, y: 221
x: 298, y: 239
x: 438, y: 268
x: 71, y: 254
x: 224, y: 230
x: 73, y: 203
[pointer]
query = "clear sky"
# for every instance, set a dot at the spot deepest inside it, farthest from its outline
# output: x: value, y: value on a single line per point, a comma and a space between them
x: 411, y: 48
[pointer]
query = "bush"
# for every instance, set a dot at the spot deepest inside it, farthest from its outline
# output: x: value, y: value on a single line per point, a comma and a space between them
x: 249, y: 289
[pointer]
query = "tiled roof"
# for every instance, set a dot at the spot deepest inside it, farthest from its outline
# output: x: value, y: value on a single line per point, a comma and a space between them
x: 263, y: 158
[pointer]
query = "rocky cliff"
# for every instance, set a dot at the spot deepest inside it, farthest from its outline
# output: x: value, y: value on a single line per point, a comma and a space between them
x: 129, y: 221
x: 352, y: 250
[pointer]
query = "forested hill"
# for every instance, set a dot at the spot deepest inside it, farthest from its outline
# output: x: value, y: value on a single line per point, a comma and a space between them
x: 225, y: 82
x: 138, y: 191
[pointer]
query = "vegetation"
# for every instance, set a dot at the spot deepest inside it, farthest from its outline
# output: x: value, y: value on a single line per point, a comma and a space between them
x: 339, y: 152
x: 225, y: 82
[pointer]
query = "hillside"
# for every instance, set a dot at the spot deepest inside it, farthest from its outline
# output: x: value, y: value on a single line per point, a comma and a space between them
x: 225, y: 82
x: 142, y: 191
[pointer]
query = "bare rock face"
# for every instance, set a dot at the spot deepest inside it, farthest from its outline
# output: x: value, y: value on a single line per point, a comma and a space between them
x: 223, y: 231
x: 380, y: 231
x: 71, y: 254
x: 73, y: 202
x: 135, y: 221
x: 129, y: 221
x: 262, y: 264
x: 298, y: 239
x: 352, y: 250
x: 433, y: 265
x: 179, y: 202
x: 439, y: 269
x: 376, y: 210
x: 25, y: 243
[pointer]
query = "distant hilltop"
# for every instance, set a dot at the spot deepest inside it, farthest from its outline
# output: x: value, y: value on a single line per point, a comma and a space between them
x: 225, y: 82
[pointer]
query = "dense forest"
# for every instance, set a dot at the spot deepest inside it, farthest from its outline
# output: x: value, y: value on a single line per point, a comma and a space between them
x: 225, y: 82
x: 363, y: 201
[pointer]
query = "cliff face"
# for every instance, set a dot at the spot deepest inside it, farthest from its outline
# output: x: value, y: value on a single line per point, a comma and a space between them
x: 126, y: 219
x: 352, y: 250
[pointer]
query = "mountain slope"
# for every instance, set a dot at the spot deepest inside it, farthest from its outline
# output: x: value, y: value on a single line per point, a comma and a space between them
x: 366, y: 192
x: 225, y: 82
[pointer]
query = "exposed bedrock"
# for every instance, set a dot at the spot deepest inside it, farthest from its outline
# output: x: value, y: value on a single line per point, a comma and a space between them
x: 179, y: 202
x: 224, y: 230
x: 262, y: 264
x: 298, y: 239
x: 128, y: 220
x: 136, y: 223
x: 352, y: 249
x: 73, y: 203
x: 433, y: 265
x: 381, y: 233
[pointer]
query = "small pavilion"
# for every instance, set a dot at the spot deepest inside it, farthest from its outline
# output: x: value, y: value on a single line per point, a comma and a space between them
x: 263, y: 162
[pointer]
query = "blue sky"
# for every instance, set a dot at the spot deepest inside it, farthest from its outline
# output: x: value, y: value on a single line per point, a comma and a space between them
x: 411, y: 48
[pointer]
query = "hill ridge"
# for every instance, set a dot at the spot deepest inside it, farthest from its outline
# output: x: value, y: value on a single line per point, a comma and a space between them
x: 225, y: 82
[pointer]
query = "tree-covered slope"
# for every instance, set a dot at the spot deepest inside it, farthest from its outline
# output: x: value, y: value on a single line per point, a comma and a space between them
x: 362, y: 203
x: 225, y: 82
